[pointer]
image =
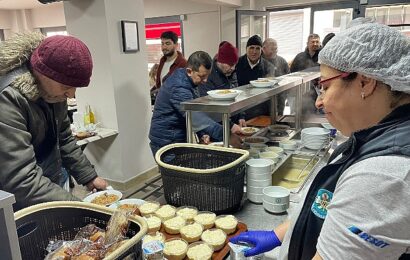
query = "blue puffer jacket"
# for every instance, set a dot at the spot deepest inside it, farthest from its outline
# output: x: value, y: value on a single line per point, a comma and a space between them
x: 168, y: 120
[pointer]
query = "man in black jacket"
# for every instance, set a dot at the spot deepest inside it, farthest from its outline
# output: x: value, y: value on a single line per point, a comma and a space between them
x: 252, y: 66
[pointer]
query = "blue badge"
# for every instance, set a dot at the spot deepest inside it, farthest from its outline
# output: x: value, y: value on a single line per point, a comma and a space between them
x: 322, y: 200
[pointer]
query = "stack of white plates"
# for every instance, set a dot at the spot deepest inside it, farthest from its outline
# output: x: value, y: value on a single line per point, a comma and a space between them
x: 314, y: 137
x: 258, y: 176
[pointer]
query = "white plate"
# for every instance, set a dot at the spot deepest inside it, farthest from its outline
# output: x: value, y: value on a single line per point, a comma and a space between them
x: 127, y: 201
x: 224, y: 94
x: 249, y: 130
x: 90, y: 197
x: 262, y: 84
x: 315, y: 131
x: 219, y: 144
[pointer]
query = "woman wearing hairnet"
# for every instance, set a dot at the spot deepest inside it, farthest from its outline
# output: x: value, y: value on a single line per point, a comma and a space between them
x: 358, y: 205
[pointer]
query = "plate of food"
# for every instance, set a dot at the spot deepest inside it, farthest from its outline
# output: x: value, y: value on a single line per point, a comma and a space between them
x: 249, y: 130
x: 104, y: 198
x: 128, y: 205
x: 263, y: 82
x: 224, y: 94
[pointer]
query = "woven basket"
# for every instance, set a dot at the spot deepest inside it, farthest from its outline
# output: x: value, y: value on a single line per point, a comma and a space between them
x: 61, y: 220
x: 208, y: 177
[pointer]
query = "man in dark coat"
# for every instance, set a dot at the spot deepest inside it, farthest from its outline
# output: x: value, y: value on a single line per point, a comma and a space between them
x: 252, y: 66
x: 168, y: 123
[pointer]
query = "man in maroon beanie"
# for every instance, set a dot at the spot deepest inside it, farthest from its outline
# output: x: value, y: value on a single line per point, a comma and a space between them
x: 37, y: 76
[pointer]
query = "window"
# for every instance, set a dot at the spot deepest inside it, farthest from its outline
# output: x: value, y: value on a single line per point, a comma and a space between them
x: 397, y: 16
x: 50, y: 31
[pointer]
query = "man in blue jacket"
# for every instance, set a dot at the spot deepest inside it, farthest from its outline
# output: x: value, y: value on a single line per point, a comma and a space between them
x: 168, y: 123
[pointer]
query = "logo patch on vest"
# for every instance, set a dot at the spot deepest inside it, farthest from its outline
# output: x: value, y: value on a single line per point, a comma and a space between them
x: 322, y: 200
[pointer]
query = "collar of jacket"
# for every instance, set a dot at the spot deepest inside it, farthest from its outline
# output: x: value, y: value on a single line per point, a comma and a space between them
x: 178, y: 58
x: 16, y: 52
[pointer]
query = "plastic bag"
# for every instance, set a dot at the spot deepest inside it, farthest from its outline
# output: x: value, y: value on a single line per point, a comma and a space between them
x: 117, y: 227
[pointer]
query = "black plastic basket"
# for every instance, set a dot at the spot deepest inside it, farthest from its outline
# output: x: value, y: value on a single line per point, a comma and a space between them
x: 207, y: 177
x: 42, y: 223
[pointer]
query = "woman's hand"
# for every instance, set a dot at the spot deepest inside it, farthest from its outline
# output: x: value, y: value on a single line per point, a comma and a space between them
x: 263, y: 241
x: 97, y: 184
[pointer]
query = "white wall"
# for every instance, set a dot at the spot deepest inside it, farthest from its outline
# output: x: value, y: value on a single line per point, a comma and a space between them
x: 119, y: 91
x: 48, y: 16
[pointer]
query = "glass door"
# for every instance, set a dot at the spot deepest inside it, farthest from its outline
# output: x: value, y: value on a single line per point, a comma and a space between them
x: 249, y: 23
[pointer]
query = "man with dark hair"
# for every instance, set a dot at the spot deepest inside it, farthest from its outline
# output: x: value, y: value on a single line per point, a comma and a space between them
x: 168, y: 123
x: 172, y: 60
x: 307, y: 58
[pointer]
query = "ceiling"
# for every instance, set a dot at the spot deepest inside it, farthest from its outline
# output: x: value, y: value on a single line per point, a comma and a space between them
x: 19, y: 4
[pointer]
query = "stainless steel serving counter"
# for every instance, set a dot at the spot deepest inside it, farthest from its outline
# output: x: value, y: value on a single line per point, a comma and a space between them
x: 250, y: 97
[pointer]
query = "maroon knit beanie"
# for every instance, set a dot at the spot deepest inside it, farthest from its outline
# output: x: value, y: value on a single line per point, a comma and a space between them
x: 64, y: 59
x: 227, y: 54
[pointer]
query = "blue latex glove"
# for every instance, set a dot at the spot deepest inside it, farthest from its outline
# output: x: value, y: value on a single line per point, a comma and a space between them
x: 263, y: 241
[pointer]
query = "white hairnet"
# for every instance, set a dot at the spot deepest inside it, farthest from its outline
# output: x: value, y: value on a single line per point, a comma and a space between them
x: 374, y: 50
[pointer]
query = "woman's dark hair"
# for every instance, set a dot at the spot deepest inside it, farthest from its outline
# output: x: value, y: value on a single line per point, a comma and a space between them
x: 327, y: 38
x: 170, y: 35
x: 199, y: 58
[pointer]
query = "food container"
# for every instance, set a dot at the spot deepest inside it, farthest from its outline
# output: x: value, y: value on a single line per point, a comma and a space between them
x: 153, y: 250
x: 276, y: 195
x: 288, y: 144
x: 175, y: 249
x: 237, y: 252
x: 154, y: 223
x: 105, y: 197
x: 187, y: 212
x: 254, y: 190
x: 206, y: 219
x: 269, y: 155
x: 165, y: 212
x: 173, y: 225
x: 224, y: 94
x: 214, y: 237
x: 262, y: 176
x: 259, y: 183
x: 255, y: 140
x: 148, y: 208
x: 158, y: 236
x: 276, y: 149
x: 191, y: 232
x: 227, y: 223
x: 204, y: 252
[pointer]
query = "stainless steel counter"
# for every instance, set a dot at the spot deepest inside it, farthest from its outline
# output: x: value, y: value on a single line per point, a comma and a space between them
x: 250, y: 97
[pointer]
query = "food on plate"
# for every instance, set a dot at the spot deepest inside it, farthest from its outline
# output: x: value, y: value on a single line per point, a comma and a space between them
x: 214, y: 237
x: 133, y: 208
x: 173, y: 225
x: 149, y: 207
x: 248, y: 129
x: 262, y: 80
x: 206, y: 219
x: 199, y: 251
x: 158, y: 236
x: 192, y: 232
x: 165, y: 212
x: 227, y: 223
x: 154, y: 223
x: 175, y: 249
x: 187, y: 213
x: 224, y: 91
x: 105, y: 199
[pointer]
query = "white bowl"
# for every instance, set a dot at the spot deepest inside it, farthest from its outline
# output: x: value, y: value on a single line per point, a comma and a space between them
x: 316, y: 131
x: 276, y: 195
x: 274, y: 208
x: 262, y: 83
x: 259, y: 183
x: 259, y: 166
x: 255, y: 198
x: 275, y: 149
x: 92, y: 196
x: 258, y: 176
x: 269, y: 155
x: 137, y: 202
x: 224, y: 94
x: 288, y: 144
x: 255, y: 190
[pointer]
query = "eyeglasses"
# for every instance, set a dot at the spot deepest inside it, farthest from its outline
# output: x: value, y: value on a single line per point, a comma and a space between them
x: 343, y: 75
x: 323, y: 89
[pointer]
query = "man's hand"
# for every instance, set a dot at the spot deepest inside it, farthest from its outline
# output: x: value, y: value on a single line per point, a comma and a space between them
x: 97, y: 184
x: 206, y: 139
x: 236, y: 129
x: 235, y: 141
x: 242, y: 123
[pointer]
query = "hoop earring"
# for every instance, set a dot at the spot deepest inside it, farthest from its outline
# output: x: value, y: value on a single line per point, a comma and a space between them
x: 363, y: 96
